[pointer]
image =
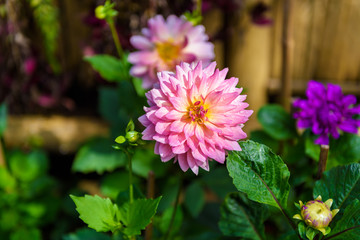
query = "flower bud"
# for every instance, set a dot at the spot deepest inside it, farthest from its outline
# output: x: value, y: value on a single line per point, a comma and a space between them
x: 317, y: 214
x: 132, y: 136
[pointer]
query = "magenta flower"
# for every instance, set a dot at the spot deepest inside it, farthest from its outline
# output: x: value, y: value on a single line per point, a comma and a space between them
x: 326, y: 111
x: 164, y: 44
x: 195, y: 115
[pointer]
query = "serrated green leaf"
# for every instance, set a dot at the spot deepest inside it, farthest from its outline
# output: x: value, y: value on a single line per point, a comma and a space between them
x: 194, y: 199
x: 98, y: 156
x: 137, y: 215
x: 98, y: 213
x: 241, y: 217
x: 3, y: 118
x: 259, y: 173
x: 109, y: 67
x: 346, y: 149
x: 86, y: 234
x: 348, y: 227
x: 277, y: 122
x: 342, y: 184
x: 28, y: 167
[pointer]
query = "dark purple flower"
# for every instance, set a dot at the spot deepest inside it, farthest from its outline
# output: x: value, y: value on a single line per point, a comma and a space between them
x: 258, y: 14
x: 326, y: 111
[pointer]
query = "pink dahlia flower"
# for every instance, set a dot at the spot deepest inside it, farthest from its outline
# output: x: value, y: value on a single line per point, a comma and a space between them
x: 166, y: 43
x: 195, y: 115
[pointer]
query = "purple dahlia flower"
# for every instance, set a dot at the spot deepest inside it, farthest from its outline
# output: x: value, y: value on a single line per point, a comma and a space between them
x: 326, y: 111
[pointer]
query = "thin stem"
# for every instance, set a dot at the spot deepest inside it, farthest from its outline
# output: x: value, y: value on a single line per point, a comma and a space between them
x: 150, y: 194
x: 337, y: 234
x: 198, y: 7
x: 174, y: 212
x: 131, y: 190
x: 324, y: 150
x: 292, y: 224
x: 115, y: 37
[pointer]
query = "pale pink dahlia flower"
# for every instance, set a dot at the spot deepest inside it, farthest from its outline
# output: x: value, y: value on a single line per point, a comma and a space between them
x: 166, y: 43
x: 195, y: 115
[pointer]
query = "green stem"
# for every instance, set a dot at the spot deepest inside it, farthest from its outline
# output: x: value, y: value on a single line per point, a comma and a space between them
x: 131, y: 189
x: 115, y: 37
x: 198, y: 7
x: 344, y: 231
x: 174, y: 212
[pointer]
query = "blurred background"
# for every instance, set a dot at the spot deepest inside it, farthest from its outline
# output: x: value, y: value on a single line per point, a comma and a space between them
x: 55, y: 101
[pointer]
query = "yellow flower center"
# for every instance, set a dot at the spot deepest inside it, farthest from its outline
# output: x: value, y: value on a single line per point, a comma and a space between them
x: 197, y: 112
x: 168, y: 52
x: 316, y: 214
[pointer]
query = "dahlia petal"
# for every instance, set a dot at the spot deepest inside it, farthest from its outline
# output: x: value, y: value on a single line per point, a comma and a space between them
x: 161, y: 112
x: 165, y: 152
x: 161, y: 138
x: 199, y: 133
x: 138, y: 70
x: 143, y: 57
x: 174, y: 114
x: 176, y: 139
x: 348, y: 100
x: 148, y: 133
x: 189, y: 129
x: 144, y: 120
x: 334, y: 92
x: 323, y: 139
x: 163, y: 127
x: 181, y: 158
x: 177, y: 126
x: 349, y: 126
x: 192, y: 163
x: 141, y: 42
x: 182, y: 148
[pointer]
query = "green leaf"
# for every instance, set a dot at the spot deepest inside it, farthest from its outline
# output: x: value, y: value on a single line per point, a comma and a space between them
x: 302, y: 229
x: 259, y: 173
x: 98, y: 156
x: 136, y: 216
x: 349, y: 224
x: 7, y: 181
x: 3, y: 120
x: 86, y: 234
x: 241, y: 217
x: 164, y: 221
x: 311, y: 233
x: 109, y: 67
x: 99, y: 213
x: 194, y: 199
x: 114, y: 183
x: 144, y: 161
x: 342, y: 184
x: 346, y: 149
x: 28, y: 167
x: 277, y: 122
x: 26, y: 233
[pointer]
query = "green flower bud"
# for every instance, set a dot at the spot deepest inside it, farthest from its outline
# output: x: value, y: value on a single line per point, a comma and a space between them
x: 317, y: 214
x: 132, y: 136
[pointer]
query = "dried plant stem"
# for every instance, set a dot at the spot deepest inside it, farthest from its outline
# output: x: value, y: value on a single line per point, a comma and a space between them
x: 150, y: 194
x: 287, y: 56
x: 2, y: 156
x: 324, y: 150
x: 174, y: 212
